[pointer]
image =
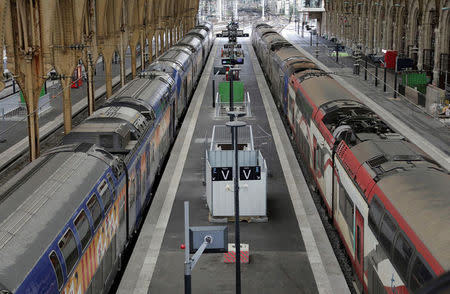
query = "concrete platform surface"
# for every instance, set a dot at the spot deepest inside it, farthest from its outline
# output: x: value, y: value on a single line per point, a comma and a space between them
x: 289, y: 254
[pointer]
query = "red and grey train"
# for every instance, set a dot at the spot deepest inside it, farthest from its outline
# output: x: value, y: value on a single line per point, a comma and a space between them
x: 67, y: 217
x: 388, y: 200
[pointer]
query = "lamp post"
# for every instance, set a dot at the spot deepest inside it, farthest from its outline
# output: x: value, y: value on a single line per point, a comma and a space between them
x: 231, y: 73
x: 234, y: 125
x: 337, y: 52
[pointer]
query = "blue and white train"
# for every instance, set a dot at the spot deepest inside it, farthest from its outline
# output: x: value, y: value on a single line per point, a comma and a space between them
x: 67, y: 217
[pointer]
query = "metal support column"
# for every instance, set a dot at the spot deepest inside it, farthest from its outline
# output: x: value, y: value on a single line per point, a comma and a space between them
x: 133, y: 60
x: 230, y: 73
x: 237, y: 241
x: 395, y: 84
x: 376, y: 75
x: 262, y: 9
x: 337, y: 53
x: 90, y: 81
x: 122, y: 61
x: 234, y: 133
x: 213, y: 93
x: 365, y: 71
x: 142, y: 51
x: 384, y: 85
x: 67, y: 104
x: 187, y: 266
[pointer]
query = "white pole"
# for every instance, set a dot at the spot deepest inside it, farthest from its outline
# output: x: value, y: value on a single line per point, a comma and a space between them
x: 262, y: 1
x: 219, y: 9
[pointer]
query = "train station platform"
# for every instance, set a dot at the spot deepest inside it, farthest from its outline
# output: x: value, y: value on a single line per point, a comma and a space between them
x: 290, y: 253
x: 14, y: 128
x: 412, y: 121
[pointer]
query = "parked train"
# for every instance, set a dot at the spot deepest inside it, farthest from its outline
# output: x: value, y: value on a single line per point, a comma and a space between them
x: 388, y: 200
x: 67, y: 217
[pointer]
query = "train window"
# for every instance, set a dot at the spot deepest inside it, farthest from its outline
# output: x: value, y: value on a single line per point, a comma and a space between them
x: 346, y: 207
x: 304, y: 106
x: 82, y: 225
x: 57, y: 268
x: 402, y: 254
x: 316, y: 157
x: 132, y: 191
x: 94, y: 209
x: 376, y: 211
x: 69, y: 250
x: 110, y: 180
x: 105, y: 193
x: 419, y: 275
x: 358, y: 244
x: 387, y: 233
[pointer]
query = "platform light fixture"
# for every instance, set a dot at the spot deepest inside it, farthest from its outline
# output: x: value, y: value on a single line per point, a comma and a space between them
x: 445, y: 8
x: 234, y: 124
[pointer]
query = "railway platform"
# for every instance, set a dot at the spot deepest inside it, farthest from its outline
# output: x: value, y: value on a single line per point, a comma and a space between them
x: 13, y: 129
x: 424, y: 130
x: 290, y: 253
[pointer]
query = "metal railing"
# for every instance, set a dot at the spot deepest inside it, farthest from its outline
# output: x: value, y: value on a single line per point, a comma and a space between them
x: 18, y: 110
x: 222, y: 108
x: 372, y: 72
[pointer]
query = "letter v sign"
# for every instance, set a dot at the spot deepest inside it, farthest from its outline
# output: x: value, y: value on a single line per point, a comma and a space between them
x: 225, y: 175
x: 247, y: 174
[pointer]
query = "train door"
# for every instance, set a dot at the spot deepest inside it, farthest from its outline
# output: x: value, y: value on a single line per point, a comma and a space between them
x: 131, y: 202
x: 185, y: 89
x: 281, y: 89
x: 172, y: 121
x: 334, y: 197
x: 204, y: 55
x: 138, y: 190
x: 359, y: 245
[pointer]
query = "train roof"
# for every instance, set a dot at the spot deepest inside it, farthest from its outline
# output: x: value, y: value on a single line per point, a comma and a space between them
x: 199, y: 32
x: 261, y: 30
x: 262, y: 25
x: 415, y: 185
x: 193, y: 42
x: 275, y: 41
x: 206, y: 26
x: 37, y: 203
x: 421, y: 196
x: 289, y: 52
x: 143, y: 93
x: 322, y: 89
x: 177, y: 56
x: 115, y: 128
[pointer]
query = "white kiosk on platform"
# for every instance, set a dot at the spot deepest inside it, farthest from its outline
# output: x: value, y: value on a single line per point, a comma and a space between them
x: 219, y: 177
